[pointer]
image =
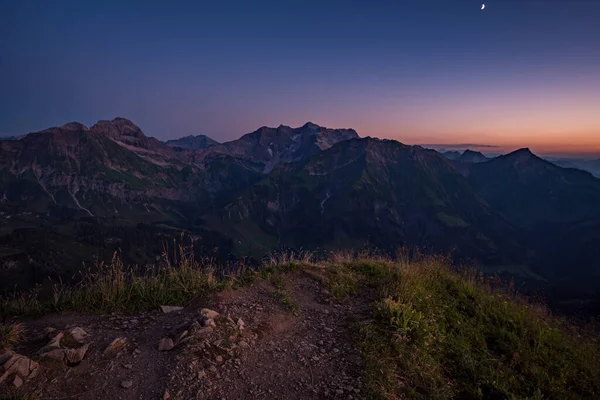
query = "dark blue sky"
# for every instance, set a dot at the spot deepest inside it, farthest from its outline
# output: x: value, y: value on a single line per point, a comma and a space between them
x: 519, y: 72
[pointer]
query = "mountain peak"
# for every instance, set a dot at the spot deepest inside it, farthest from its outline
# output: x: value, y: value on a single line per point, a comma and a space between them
x: 118, y: 128
x: 73, y: 126
x: 470, y: 156
x: 310, y: 125
x: 524, y: 150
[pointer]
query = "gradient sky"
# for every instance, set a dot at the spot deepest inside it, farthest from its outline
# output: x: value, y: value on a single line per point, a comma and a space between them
x: 519, y: 73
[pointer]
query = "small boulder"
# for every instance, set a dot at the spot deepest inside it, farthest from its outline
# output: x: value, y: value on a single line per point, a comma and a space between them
x: 75, y: 356
x: 208, y: 313
x: 240, y: 324
x: 115, y: 346
x: 20, y: 365
x: 17, y: 381
x: 78, y: 334
x: 209, y: 323
x: 167, y: 395
x: 127, y: 384
x: 169, y: 309
x: 56, y: 354
x: 165, y: 344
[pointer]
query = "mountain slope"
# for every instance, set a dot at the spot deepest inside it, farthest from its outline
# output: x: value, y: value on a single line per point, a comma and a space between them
x: 192, y: 142
x: 529, y: 190
x: 367, y: 192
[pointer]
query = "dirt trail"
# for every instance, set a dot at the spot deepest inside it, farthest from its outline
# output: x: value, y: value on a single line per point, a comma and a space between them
x: 292, y: 343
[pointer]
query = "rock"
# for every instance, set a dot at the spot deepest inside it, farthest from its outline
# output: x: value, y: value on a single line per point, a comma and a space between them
x: 126, y: 384
x: 56, y: 354
x: 165, y: 344
x: 213, y: 368
x: 167, y: 395
x: 18, y: 364
x: 209, y: 323
x: 137, y: 351
x: 240, y: 324
x: 17, y: 381
x: 219, y: 359
x: 115, y: 346
x: 75, y: 356
x: 127, y: 366
x: 78, y: 334
x: 201, y: 374
x: 169, y: 309
x: 208, y: 313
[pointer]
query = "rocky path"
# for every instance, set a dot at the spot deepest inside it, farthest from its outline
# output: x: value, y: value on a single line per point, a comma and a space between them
x: 284, y: 341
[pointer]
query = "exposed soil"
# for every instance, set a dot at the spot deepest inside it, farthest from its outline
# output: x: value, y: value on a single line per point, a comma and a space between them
x: 299, y: 349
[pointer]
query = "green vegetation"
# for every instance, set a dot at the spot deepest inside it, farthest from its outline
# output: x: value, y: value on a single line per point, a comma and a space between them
x: 434, y: 332
x: 10, y: 334
x: 437, y: 333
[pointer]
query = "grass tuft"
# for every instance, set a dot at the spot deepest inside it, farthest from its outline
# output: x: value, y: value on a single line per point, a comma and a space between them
x: 10, y: 334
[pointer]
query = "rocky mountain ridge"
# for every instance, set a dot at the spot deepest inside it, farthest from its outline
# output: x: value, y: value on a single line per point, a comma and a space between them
x: 94, y: 190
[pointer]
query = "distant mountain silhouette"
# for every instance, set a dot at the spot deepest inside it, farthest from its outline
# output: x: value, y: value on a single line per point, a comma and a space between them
x: 470, y: 156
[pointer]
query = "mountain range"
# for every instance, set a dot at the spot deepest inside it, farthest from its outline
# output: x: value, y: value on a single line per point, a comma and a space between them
x: 71, y: 194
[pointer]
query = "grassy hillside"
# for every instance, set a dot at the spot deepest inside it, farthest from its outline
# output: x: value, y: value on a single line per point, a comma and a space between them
x: 433, y: 332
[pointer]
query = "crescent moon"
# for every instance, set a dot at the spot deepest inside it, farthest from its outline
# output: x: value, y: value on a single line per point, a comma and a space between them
x: 483, y: 6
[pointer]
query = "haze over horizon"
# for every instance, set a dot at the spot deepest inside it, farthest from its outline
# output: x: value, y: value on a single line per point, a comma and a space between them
x: 518, y: 74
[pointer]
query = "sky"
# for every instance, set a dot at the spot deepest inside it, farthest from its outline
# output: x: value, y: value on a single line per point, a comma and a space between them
x: 521, y: 73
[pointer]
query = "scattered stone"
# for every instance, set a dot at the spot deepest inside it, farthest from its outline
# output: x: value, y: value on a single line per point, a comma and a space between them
x: 75, y: 356
x: 167, y: 395
x: 127, y: 384
x: 78, y: 334
x: 213, y: 368
x: 219, y: 359
x: 115, y: 346
x: 240, y: 324
x: 209, y: 323
x: 18, y: 364
x: 165, y: 344
x: 201, y: 374
x: 208, y: 313
x: 169, y: 309
x: 127, y: 366
x: 56, y: 354
x: 17, y: 381
x: 137, y: 351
